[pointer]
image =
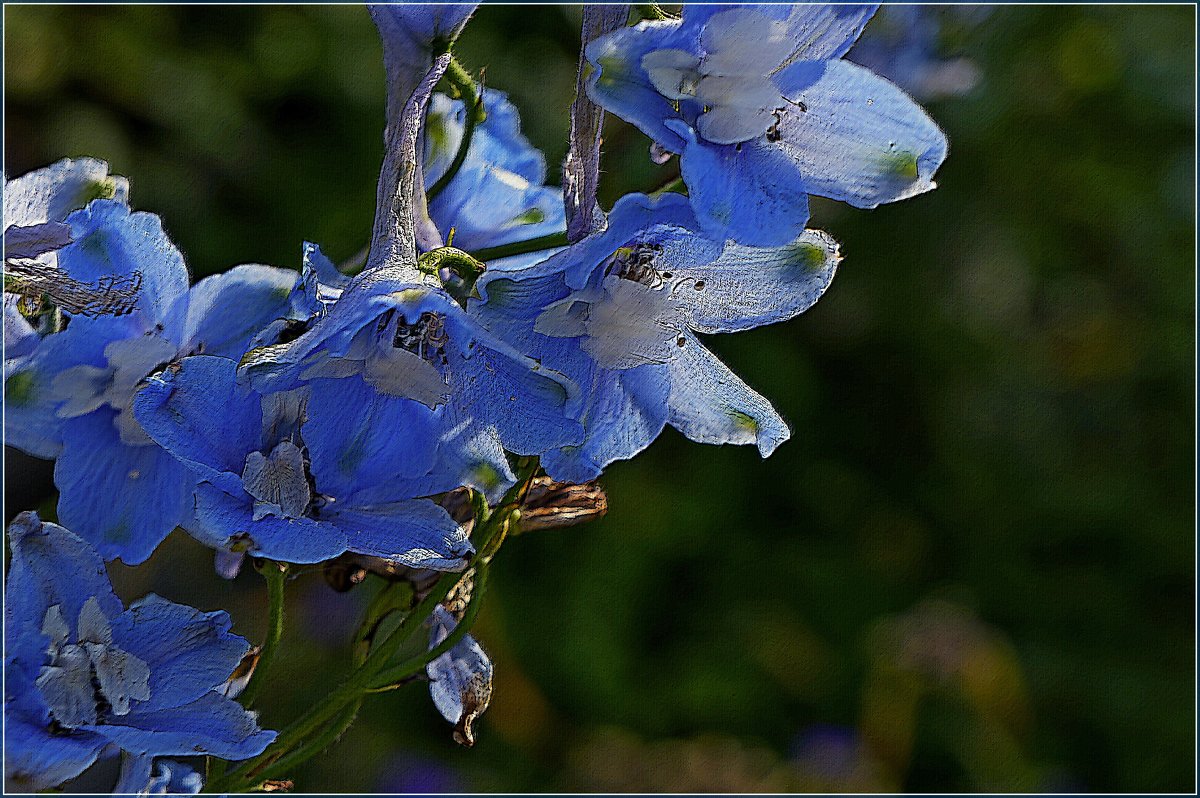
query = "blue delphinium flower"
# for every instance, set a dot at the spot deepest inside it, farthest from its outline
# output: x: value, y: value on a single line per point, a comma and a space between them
x: 145, y: 775
x: 763, y: 111
x: 36, y: 205
x: 303, y: 478
x: 619, y: 312
x: 71, y: 397
x: 83, y: 673
x: 412, y: 352
x: 498, y: 194
x: 460, y: 681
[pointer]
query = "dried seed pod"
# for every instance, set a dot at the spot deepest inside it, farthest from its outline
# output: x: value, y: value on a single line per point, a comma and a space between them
x: 552, y: 505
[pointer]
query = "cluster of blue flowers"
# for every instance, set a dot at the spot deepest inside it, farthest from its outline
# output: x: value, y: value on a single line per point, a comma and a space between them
x: 295, y: 417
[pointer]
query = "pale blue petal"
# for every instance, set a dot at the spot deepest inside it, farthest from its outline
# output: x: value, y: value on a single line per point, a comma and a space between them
x: 747, y: 287
x: 122, y: 499
x: 460, y: 681
x: 821, y: 31
x: 752, y: 192
x: 620, y: 84
x: 109, y: 240
x: 625, y: 412
x: 50, y: 193
x: 861, y: 140
x: 710, y: 404
x: 498, y: 195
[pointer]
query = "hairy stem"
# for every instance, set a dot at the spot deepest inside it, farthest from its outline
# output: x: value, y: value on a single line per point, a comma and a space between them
x: 581, y: 172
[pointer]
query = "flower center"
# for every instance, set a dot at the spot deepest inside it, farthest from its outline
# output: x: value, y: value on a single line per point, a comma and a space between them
x: 91, y: 678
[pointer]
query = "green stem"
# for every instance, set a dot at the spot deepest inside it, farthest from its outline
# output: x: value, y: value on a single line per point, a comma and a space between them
x: 671, y: 185
x: 359, y: 682
x: 392, y: 597
x: 275, y: 574
x: 549, y: 241
x: 473, y: 102
x: 651, y: 11
x: 395, y: 676
x: 314, y: 746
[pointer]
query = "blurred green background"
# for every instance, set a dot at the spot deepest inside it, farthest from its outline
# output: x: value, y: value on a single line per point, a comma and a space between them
x: 972, y: 566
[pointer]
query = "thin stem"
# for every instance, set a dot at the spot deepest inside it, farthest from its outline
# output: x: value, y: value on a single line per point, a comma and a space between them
x: 359, y: 682
x: 669, y: 186
x: 395, y: 676
x: 314, y: 746
x: 581, y: 170
x: 473, y: 104
x: 549, y: 241
x: 392, y: 597
x: 275, y: 574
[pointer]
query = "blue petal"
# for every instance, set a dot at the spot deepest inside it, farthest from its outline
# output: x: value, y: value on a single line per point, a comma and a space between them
x: 409, y: 32
x: 36, y: 760
x: 50, y: 567
x: 122, y: 499
x: 49, y: 194
x: 31, y: 401
x: 227, y: 522
x: 198, y: 412
x: 225, y: 311
x: 460, y: 681
x: 821, y: 31
x: 143, y: 775
x: 212, y: 724
x: 751, y: 192
x: 710, y: 404
x: 747, y: 287
x: 358, y: 438
x: 416, y: 533
x: 530, y: 406
x: 320, y: 285
x: 189, y: 652
x: 625, y: 412
x: 20, y: 339
x: 109, y: 240
x: 620, y: 84
x: 498, y: 195
x: 861, y: 140
x: 631, y: 217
